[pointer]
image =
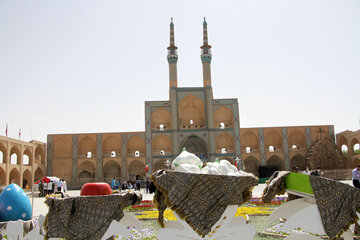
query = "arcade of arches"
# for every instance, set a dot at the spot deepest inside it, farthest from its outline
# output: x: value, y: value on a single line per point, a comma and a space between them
x: 21, y: 162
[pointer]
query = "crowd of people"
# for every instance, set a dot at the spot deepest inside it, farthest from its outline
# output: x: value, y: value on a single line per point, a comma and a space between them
x: 316, y: 172
x: 52, y: 187
x: 133, y: 184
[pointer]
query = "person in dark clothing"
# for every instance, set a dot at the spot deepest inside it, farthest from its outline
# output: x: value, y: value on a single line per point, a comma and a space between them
x: 316, y: 172
x: 152, y: 187
x: 147, y: 185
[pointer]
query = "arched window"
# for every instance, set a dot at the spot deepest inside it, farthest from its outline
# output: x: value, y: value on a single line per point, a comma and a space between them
x: 191, y: 122
x: 13, y: 159
x: 161, y: 127
x: 294, y: 147
x: 223, y: 151
x: 137, y: 153
x: 271, y: 149
x: 356, y: 148
x: 88, y: 154
x: 162, y: 152
x: 26, y: 160
x: 1, y: 157
x: 248, y: 149
x: 222, y: 125
x: 344, y: 149
x: 113, y: 154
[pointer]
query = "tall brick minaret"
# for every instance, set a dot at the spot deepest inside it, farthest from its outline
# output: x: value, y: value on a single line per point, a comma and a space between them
x: 206, y: 57
x: 172, y: 58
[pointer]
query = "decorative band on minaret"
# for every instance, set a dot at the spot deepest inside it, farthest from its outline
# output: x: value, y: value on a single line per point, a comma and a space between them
x: 206, y: 57
x: 172, y: 57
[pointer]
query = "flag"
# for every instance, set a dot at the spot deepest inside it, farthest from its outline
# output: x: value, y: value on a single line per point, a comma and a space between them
x: 243, y: 167
x: 19, y: 133
x: 147, y: 168
x: 6, y: 130
x: 236, y: 165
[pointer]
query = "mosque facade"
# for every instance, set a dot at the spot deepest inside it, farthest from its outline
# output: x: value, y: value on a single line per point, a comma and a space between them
x: 190, y: 118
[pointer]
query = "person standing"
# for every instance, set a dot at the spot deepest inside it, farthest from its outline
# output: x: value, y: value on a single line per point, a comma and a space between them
x: 147, y: 185
x: 138, y: 184
x: 356, y: 176
x: 45, y: 187
x: 59, y: 185
x: 113, y: 184
x: 316, y: 172
x: 41, y: 189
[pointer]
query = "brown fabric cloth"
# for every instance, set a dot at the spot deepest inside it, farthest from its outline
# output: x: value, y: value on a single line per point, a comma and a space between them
x: 86, y: 217
x: 276, y: 186
x: 200, y: 199
x: 337, y: 203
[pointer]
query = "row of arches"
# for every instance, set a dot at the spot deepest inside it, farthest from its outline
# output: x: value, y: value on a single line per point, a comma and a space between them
x: 14, y: 177
x: 273, y: 141
x: 349, y: 147
x: 27, y: 155
x: 192, y: 115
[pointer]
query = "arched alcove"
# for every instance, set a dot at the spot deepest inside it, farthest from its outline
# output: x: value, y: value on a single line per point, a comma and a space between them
x: 40, y: 155
x: 27, y: 179
x: 192, y: 108
x: 224, y: 141
x: 27, y: 157
x: 15, y: 155
x: 160, y: 120
x: 111, y: 147
x: 111, y: 170
x: 136, y: 169
x: 3, y: 153
x: 298, y: 161
x: 2, y: 177
x: 297, y: 138
x: 249, y: 139
x: 86, y: 172
x: 344, y: 149
x: 38, y: 174
x: 87, y: 145
x: 223, y: 118
x: 273, y: 138
x: 252, y: 165
x: 196, y: 145
x: 275, y: 161
x: 160, y: 143
x: 14, y: 176
x: 136, y: 143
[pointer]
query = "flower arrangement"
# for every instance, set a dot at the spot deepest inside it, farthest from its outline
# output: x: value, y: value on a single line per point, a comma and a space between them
x: 146, y: 204
x: 275, y: 201
x: 140, y: 234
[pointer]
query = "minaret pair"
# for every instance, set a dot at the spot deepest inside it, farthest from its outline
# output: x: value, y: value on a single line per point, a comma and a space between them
x: 205, y: 57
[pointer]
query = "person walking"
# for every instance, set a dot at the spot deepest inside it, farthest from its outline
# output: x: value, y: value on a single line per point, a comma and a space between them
x: 356, y: 176
x: 138, y: 184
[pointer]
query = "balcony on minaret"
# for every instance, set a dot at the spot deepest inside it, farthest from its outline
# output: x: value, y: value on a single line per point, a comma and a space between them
x: 206, y: 51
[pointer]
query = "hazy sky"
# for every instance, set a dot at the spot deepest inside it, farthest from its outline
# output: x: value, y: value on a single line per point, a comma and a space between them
x: 88, y: 66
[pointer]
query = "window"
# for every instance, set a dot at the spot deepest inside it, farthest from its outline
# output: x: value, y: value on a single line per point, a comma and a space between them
x: 222, y: 125
x: 113, y: 154
x: 161, y: 127
x: 294, y: 147
x: 191, y: 122
x: 137, y: 153
x: 356, y: 148
x: 13, y: 159
x: 1, y: 157
x: 344, y: 149
x: 223, y: 151
x: 26, y: 160
x: 88, y: 155
x: 271, y: 149
x: 248, y: 150
x: 162, y: 152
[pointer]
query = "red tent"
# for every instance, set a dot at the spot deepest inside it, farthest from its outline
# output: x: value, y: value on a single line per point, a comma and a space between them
x: 48, y: 179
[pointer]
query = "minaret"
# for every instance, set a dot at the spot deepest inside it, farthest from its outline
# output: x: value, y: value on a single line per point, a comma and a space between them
x: 206, y: 57
x: 172, y: 57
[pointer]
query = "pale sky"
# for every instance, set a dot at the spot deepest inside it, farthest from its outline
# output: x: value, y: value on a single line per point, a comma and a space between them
x: 84, y: 66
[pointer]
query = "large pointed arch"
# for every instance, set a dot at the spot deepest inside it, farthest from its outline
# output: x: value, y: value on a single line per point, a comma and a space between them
x: 15, y: 154
x: 273, y: 138
x: 40, y: 155
x: 297, y: 138
x: 192, y: 112
x: 252, y: 165
x: 111, y: 170
x: 111, y: 145
x: 27, y: 157
x: 86, y: 172
x: 160, y: 143
x: 136, y: 169
x: 224, y: 141
x: 353, y: 142
x: 249, y: 140
x: 298, y: 161
x: 276, y: 161
x: 62, y: 147
x: 14, y: 176
x: 39, y: 174
x: 27, y: 179
x: 2, y: 177
x: 223, y: 115
x: 136, y: 143
x: 161, y: 117
x: 4, y: 153
x: 87, y: 145
x: 196, y: 145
